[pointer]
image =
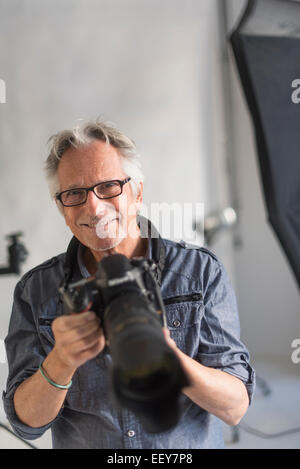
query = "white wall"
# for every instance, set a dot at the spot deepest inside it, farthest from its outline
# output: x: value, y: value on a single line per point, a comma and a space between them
x: 150, y: 66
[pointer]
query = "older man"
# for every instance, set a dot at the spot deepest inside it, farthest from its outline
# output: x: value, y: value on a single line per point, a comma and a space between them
x: 59, y: 365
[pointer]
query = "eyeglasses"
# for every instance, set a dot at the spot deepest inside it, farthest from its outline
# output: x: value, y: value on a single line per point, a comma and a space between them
x: 102, y: 190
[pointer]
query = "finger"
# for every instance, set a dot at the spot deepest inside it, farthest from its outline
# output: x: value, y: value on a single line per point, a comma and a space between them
x: 64, y: 323
x: 81, y: 332
x: 168, y: 338
x: 92, y: 351
x: 88, y: 342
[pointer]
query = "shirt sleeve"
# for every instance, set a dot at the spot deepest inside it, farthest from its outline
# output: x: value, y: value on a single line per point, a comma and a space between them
x: 24, y: 354
x: 220, y: 344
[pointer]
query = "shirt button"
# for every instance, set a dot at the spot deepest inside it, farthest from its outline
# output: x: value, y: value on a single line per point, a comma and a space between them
x: 130, y: 433
x: 176, y: 323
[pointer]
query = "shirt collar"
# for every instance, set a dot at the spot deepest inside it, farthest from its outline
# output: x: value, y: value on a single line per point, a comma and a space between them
x: 82, y: 267
x: 156, y: 251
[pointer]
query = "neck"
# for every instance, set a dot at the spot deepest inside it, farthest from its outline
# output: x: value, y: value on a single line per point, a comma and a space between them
x: 128, y: 247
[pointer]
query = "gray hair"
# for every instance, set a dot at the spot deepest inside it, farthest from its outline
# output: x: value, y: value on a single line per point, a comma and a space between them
x: 85, y: 134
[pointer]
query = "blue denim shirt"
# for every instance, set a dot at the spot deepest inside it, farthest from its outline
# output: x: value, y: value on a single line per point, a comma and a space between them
x: 202, y: 317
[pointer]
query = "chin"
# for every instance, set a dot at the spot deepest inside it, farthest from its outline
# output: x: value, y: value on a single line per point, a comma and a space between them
x: 103, y: 245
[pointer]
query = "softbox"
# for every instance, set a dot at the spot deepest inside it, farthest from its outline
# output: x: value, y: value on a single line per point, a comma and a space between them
x: 266, y: 47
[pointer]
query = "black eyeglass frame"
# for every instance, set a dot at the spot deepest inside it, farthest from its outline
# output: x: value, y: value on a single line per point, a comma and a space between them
x: 88, y: 189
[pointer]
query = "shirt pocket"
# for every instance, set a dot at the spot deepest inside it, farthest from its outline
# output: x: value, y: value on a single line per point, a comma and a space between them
x: 47, y: 313
x: 45, y: 332
x: 184, y: 314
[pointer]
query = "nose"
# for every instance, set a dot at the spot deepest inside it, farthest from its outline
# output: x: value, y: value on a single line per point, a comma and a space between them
x: 94, y: 205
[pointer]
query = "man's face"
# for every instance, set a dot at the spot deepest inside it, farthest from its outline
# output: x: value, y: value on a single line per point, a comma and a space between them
x: 98, y: 224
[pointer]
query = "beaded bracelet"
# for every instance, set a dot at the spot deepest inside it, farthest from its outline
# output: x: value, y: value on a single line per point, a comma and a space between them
x: 60, y: 386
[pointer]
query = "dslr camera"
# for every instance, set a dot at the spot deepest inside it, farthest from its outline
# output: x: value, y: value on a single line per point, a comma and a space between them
x: 146, y: 376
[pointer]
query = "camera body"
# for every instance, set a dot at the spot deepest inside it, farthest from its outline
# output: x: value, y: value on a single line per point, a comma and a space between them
x: 146, y: 376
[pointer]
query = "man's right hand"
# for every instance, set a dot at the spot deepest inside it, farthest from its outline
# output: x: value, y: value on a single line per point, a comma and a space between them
x: 78, y: 338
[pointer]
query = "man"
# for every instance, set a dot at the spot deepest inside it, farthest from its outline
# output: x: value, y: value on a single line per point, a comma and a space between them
x: 59, y: 365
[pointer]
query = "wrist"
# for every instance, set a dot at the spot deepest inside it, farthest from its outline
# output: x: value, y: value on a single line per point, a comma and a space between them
x: 57, y: 369
x: 63, y: 387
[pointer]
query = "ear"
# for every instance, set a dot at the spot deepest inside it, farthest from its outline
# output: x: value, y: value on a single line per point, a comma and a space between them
x: 139, y: 197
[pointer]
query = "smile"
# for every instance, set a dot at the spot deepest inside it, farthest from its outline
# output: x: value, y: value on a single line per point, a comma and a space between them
x: 103, y: 222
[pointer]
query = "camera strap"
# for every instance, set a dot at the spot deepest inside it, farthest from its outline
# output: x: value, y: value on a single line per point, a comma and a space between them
x: 70, y: 260
x: 158, y: 249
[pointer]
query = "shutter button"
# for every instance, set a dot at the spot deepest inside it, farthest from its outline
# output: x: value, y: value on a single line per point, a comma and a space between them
x: 176, y: 323
x: 130, y: 433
